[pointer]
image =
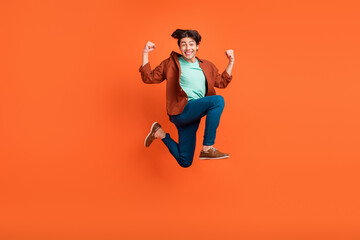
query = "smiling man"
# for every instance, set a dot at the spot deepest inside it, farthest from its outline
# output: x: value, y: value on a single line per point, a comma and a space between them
x: 190, y: 95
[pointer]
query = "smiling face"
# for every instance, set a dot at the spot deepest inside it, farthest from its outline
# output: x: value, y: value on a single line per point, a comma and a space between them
x: 188, y: 49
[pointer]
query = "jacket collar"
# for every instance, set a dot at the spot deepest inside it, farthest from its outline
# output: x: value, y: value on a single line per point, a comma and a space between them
x: 175, y: 54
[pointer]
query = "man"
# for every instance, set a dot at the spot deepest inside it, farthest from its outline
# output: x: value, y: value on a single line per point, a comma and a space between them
x: 190, y: 95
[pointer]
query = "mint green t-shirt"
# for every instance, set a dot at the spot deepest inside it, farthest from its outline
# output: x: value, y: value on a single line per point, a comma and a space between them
x: 192, y: 79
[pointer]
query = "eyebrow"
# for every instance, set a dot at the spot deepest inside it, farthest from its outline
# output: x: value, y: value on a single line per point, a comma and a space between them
x: 185, y: 42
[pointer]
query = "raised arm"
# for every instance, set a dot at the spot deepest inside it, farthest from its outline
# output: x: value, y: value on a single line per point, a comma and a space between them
x: 222, y: 80
x: 230, y: 55
x: 148, y: 48
x: 148, y: 75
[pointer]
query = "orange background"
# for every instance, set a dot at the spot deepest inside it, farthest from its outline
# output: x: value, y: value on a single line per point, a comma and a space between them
x: 74, y: 114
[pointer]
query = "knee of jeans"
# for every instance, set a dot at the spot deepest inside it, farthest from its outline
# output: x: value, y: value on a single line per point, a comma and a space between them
x: 220, y: 100
x: 185, y: 163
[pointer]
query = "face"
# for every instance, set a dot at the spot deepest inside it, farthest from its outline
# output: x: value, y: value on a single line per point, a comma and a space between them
x: 188, y: 49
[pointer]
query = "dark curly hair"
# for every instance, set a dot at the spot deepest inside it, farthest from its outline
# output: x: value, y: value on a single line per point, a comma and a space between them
x: 180, y: 33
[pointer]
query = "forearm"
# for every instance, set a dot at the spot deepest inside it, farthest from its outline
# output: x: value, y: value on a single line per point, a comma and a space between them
x: 229, y: 67
x: 145, y: 58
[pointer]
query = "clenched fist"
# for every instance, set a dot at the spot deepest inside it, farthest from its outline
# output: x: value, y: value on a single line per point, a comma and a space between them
x: 149, y: 47
x: 230, y: 55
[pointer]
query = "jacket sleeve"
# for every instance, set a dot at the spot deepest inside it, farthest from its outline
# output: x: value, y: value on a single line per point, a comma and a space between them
x: 221, y: 80
x: 153, y: 76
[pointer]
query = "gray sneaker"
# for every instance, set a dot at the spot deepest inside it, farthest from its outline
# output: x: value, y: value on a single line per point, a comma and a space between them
x: 213, y: 153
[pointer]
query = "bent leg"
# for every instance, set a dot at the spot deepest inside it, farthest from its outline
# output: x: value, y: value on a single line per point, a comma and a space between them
x: 183, y: 151
x: 213, y: 120
x: 212, y: 106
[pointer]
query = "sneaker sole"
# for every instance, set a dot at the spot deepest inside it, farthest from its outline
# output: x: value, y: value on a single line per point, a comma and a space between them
x: 205, y: 158
x: 149, y: 133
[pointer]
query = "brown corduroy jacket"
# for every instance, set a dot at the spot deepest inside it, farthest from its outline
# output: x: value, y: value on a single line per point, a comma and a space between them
x: 169, y: 69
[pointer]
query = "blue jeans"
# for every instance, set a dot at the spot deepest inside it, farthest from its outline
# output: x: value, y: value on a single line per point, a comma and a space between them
x: 187, y: 124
